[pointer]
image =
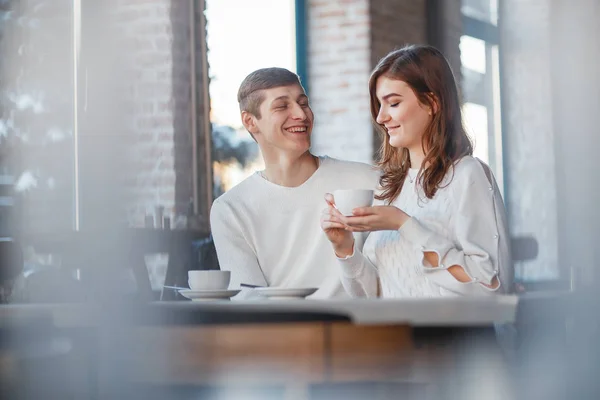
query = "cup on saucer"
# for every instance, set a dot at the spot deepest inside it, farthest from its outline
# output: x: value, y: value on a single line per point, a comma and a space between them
x: 209, y: 280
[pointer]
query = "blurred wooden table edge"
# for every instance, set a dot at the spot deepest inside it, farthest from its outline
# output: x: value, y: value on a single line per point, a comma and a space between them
x: 319, y: 352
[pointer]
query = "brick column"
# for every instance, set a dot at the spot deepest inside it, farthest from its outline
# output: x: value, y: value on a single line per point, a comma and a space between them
x: 158, y: 34
x: 339, y: 64
x: 168, y: 117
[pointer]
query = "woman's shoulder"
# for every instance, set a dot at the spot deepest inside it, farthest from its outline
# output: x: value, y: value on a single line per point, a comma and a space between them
x: 467, y: 164
x: 470, y: 170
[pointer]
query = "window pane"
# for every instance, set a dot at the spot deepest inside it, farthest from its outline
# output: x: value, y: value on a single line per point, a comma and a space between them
x: 36, y: 112
x: 266, y: 29
x: 236, y: 153
x: 483, y: 10
x: 476, y: 124
x: 472, y: 54
x: 481, y: 92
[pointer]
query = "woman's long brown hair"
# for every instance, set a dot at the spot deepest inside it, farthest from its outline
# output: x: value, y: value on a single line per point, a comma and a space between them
x: 426, y: 71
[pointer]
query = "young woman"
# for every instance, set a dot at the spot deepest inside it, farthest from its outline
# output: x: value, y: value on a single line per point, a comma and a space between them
x: 438, y: 224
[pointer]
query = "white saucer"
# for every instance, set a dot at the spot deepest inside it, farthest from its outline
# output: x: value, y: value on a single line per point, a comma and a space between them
x: 208, y: 294
x: 275, y: 293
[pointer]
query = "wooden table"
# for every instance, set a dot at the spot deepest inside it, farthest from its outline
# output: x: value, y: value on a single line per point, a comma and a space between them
x: 305, y: 349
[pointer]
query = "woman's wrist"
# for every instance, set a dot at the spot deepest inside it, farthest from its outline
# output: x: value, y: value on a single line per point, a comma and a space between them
x: 345, y: 250
x: 401, y: 219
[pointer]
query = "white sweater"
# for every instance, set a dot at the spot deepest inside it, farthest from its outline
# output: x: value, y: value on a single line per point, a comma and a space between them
x: 270, y: 235
x: 464, y: 223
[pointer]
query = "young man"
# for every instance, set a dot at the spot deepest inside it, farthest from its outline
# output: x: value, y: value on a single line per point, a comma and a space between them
x: 267, y: 228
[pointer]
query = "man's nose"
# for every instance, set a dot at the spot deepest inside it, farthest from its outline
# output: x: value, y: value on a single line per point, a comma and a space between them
x: 298, y: 112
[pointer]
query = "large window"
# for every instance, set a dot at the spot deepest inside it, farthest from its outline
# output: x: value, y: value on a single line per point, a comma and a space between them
x: 481, y: 81
x: 102, y: 116
x: 96, y: 120
x: 259, y: 34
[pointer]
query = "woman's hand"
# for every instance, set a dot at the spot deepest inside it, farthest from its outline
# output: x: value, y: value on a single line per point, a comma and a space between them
x: 376, y: 218
x: 336, y: 231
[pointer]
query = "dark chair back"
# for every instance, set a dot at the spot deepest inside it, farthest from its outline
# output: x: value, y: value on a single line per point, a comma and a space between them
x: 205, y: 254
x: 11, y: 260
x: 524, y: 248
x: 11, y: 266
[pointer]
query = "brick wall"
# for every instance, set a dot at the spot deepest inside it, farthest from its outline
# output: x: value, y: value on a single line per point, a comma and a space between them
x: 158, y: 38
x: 157, y: 32
x: 338, y: 71
x: 148, y: 34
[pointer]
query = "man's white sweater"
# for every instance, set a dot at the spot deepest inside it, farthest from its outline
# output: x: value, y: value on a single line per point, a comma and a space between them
x: 270, y: 235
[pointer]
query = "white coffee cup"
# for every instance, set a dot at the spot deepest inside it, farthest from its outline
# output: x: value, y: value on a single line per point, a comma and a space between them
x: 209, y: 280
x: 347, y: 200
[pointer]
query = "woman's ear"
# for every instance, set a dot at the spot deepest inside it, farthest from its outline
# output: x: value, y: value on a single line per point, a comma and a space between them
x: 434, y: 107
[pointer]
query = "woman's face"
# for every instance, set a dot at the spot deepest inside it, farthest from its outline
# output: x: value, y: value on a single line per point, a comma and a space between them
x: 401, y: 114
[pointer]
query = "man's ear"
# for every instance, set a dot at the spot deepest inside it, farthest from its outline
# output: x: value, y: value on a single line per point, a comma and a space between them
x: 249, y: 122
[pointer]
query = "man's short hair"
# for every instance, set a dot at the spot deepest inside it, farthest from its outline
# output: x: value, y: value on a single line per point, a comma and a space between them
x: 250, y: 95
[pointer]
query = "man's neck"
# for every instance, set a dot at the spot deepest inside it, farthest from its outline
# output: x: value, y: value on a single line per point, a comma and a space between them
x: 289, y: 171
